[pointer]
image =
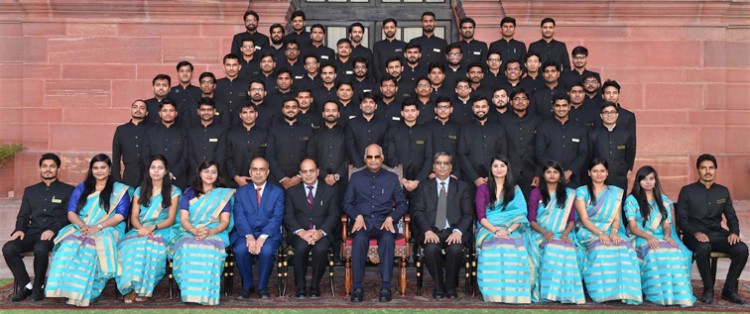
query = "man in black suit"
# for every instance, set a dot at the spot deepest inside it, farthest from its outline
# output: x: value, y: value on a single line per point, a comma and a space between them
x: 443, y: 215
x: 310, y: 218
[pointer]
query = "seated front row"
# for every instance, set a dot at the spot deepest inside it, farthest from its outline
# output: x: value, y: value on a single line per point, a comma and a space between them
x: 527, y: 253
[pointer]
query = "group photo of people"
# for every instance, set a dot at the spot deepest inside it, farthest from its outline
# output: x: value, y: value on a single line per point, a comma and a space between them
x: 511, y: 155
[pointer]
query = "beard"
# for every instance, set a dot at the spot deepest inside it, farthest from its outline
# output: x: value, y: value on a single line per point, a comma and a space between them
x: 478, y: 117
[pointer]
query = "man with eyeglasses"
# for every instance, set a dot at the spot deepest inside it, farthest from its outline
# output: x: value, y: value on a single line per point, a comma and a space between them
x: 480, y: 140
x: 445, y: 132
x: 509, y: 47
x: 561, y: 140
x: 433, y: 47
x: 592, y: 86
x: 362, y: 81
x: 454, y: 67
x: 222, y: 111
x: 575, y: 75
x: 266, y: 111
x: 251, y: 20
x: 364, y: 130
x: 292, y: 60
x: 386, y: 48
x: 615, y: 144
x: 425, y: 101
x: 494, y: 75
x: 375, y: 202
x: 521, y: 128
x: 474, y: 51
x: 443, y: 215
x: 461, y: 102
x: 311, y: 79
x: 249, y: 64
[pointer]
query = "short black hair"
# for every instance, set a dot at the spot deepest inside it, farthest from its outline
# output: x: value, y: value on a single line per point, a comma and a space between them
x: 230, y: 56
x: 257, y: 81
x: 390, y: 20
x: 467, y: 20
x: 580, y: 50
x: 276, y: 25
x: 207, y: 101
x: 408, y: 102
x: 611, y: 83
x: 548, y: 20
x: 160, y: 77
x: 253, y: 13
x: 508, y: 19
x: 549, y: 63
x: 355, y: 24
x: 298, y: 13
x: 531, y: 54
x: 427, y: 13
x: 322, y: 28
x: 412, y: 45
x: 167, y: 101
x: 185, y: 63
x: 205, y: 75
x: 706, y: 157
x: 561, y: 96
x: 434, y: 65
x: 50, y: 156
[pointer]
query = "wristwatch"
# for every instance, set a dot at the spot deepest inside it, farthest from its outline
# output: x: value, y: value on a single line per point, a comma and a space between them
x: 336, y: 177
x: 99, y: 226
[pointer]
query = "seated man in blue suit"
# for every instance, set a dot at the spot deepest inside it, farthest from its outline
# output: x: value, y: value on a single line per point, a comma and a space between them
x: 369, y: 200
x: 258, y: 214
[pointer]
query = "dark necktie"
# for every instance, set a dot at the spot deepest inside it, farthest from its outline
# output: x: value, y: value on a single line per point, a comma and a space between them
x: 310, y: 196
x: 442, y: 207
x: 257, y: 195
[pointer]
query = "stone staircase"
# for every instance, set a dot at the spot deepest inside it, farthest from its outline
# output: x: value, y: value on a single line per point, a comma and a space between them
x: 272, y: 12
x: 486, y: 13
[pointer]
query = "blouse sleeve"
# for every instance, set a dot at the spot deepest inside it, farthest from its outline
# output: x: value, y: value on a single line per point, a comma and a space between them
x: 186, y: 197
x: 533, y: 204
x: 73, y: 203
x: 123, y: 207
x: 631, y: 208
x: 481, y: 200
x: 582, y: 193
x: 669, y: 206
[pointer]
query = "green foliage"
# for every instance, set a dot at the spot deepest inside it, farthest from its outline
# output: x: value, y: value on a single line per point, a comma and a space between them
x: 7, y: 151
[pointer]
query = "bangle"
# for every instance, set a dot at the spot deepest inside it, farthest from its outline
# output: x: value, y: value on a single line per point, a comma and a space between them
x: 156, y: 227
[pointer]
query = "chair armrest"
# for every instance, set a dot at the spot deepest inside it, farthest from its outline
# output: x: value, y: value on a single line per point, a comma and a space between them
x: 407, y: 230
x: 344, y: 227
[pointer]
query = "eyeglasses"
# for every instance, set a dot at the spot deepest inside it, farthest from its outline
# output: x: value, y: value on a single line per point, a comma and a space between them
x: 494, y: 60
x: 462, y: 87
x: 442, y: 163
x: 454, y: 54
x: 520, y: 98
x: 256, y: 89
x: 423, y: 85
x: 443, y: 107
x: 360, y: 67
x: 609, y: 113
x: 368, y: 157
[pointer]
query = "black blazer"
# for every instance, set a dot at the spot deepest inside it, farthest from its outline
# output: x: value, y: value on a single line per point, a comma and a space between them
x: 324, y: 214
x: 460, y: 212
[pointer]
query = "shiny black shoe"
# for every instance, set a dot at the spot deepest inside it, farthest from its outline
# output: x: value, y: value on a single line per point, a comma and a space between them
x: 37, y: 295
x: 245, y: 294
x: 300, y: 294
x: 451, y: 294
x: 385, y: 295
x: 707, y: 298
x: 357, y: 295
x: 314, y: 294
x: 263, y: 294
x: 438, y: 294
x: 21, y: 294
x: 733, y: 297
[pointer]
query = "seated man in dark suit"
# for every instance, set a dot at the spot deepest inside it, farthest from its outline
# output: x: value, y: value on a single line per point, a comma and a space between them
x: 258, y: 213
x: 311, y: 215
x: 375, y: 200
x: 443, y: 215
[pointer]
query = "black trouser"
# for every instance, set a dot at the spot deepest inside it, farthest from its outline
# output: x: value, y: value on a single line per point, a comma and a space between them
x: 13, y: 250
x: 302, y: 250
x: 717, y: 242
x: 436, y: 262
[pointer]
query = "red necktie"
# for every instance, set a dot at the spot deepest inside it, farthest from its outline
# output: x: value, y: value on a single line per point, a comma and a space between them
x: 257, y: 195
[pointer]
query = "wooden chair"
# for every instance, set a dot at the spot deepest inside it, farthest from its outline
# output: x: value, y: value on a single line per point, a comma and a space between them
x: 285, y: 256
x: 402, y: 250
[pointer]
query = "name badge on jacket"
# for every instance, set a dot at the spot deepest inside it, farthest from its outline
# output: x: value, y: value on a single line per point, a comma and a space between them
x: 575, y: 140
x: 213, y: 140
x: 56, y: 200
